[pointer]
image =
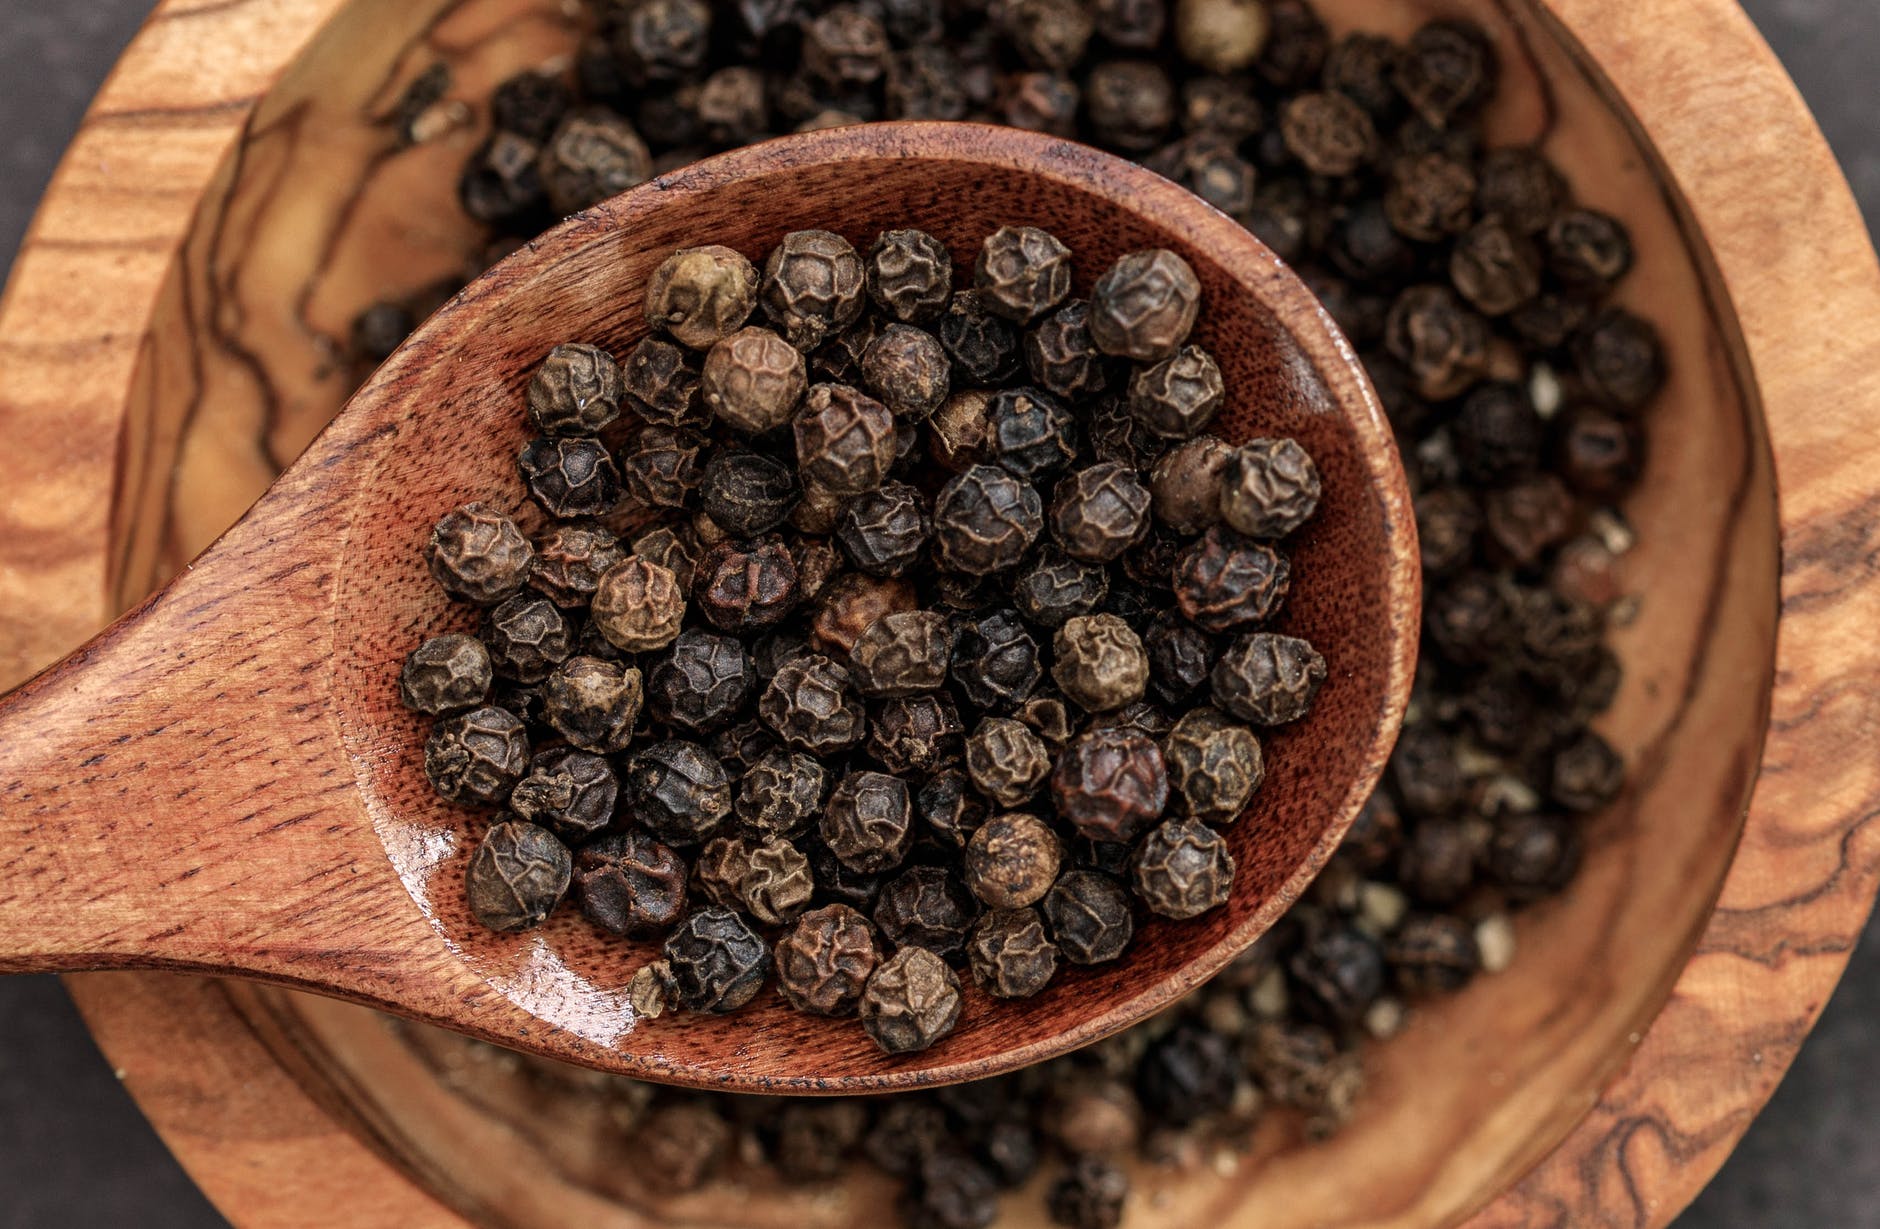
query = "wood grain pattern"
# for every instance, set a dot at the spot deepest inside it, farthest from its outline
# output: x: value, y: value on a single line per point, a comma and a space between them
x: 1762, y: 234
x: 243, y: 726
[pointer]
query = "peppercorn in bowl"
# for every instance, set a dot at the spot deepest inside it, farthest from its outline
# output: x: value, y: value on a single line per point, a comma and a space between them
x: 812, y: 638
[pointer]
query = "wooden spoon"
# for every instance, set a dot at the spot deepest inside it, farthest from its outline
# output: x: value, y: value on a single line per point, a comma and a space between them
x: 224, y: 780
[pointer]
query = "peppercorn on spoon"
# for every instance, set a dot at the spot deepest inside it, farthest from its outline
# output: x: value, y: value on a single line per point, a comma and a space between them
x: 224, y: 781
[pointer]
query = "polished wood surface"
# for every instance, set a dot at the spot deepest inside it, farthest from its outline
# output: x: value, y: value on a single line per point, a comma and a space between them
x: 1601, y: 1081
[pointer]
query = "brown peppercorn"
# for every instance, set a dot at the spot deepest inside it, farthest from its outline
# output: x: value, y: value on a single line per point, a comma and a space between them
x: 663, y: 469
x: 593, y: 703
x: 682, y: 1144
x: 1432, y: 953
x: 1012, y: 861
x: 985, y: 520
x: 1129, y: 104
x: 907, y: 369
x: 1223, y: 580
x: 1048, y: 34
x: 1110, y: 784
x: 1588, y: 250
x: 957, y: 432
x: 1006, y: 760
x: 593, y: 154
x: 753, y: 380
x: 910, y: 276
x: 1178, y: 396
x: 1221, y: 106
x: 1431, y: 197
x: 985, y: 347
x: 812, y: 287
x: 1528, y: 517
x: 1211, y: 168
x: 1100, y: 512
x: 477, y: 757
x: 883, y: 532
x: 914, y: 735
x: 1089, y: 917
x: 1447, y: 71
x: 718, y: 963
x: 1599, y: 453
x: 1221, y: 36
x: 1099, y: 662
x: 479, y: 555
x: 780, y: 793
x: 1021, y: 273
x: 745, y: 587
x: 1442, y: 341
x: 446, y: 674
x: 1144, y: 306
x: 1329, y: 132
x: 1062, y: 357
x: 630, y: 884
x: 1040, y: 102
x: 850, y: 604
x: 568, y: 563
x: 817, y: 1137
x: 1186, y: 482
x: 718, y: 871
x: 811, y: 705
x: 911, y: 1002
x: 845, y: 48
x: 1269, y: 488
x: 662, y: 382
x: 571, y: 793
x: 819, y: 511
x: 638, y: 605
x: 1010, y: 954
x: 527, y: 637
x: 1057, y: 588
x: 577, y: 390
x: 662, y: 40
x: 701, y: 295
x: 517, y: 876
x: 1448, y: 519
x: 677, y: 790
x: 824, y: 961
x: 902, y: 654
x: 1214, y: 765
x: 570, y: 478
x: 1495, y: 267
x: 868, y: 822
x: 1182, y: 869
x: 1268, y: 679
x: 844, y: 439
x: 777, y: 883
x: 1620, y: 359
x: 926, y: 907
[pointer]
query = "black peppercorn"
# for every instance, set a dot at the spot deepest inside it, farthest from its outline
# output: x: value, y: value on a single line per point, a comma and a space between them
x: 1447, y: 71
x: 1431, y: 197
x: 747, y: 493
x: 1144, y: 306
x: 1533, y: 856
x: 1497, y: 434
x: 1268, y: 679
x: 845, y: 48
x: 571, y: 793
x: 502, y: 185
x: 1178, y: 396
x: 570, y: 478
x: 1529, y: 516
x: 718, y: 964
x: 1588, y: 250
x: 1180, y: 658
x: 1329, y: 132
x: 1437, y: 862
x: 479, y: 555
x: 593, y: 154
x: 995, y: 660
x: 568, y: 563
x: 1209, y: 166
x: 1432, y: 953
x: 1110, y: 784
x: 1021, y: 273
x: 683, y: 1144
x: 811, y: 705
x: 1222, y: 106
x: 661, y: 383
x: 1444, y: 343
x: 1010, y: 954
x: 1586, y: 773
x: 527, y: 637
x: 910, y: 276
x: 844, y: 439
x: 662, y: 471
x: 984, y: 520
x: 630, y: 884
x: 517, y: 876
x: 907, y: 369
x: 477, y: 757
x: 1100, y: 512
x: 1063, y: 358
x: 592, y: 703
x: 1100, y: 663
x: 446, y: 674
x: 753, y: 380
x: 816, y: 1138
x: 868, y: 822
x: 1339, y: 974
x: 1048, y: 34
x: 1620, y: 359
x: 638, y: 605
x: 777, y: 883
x: 1495, y: 267
x: 812, y: 287
x: 902, y: 654
x: 1057, y: 588
x: 1011, y: 861
x: 926, y: 907
x: 779, y: 793
x: 718, y: 871
x: 746, y: 587
x: 1224, y: 580
x: 1129, y: 104
x: 883, y: 532
x: 732, y: 107
x: 914, y: 735
x: 824, y: 961
x: 578, y: 390
x: 949, y: 808
x: 1214, y: 765
x: 911, y: 1002
x: 1185, y: 486
x: 1030, y: 433
x: 701, y: 683
x: 1089, y: 1194
x: 1040, y: 102
x: 1089, y: 917
x: 850, y: 604
x: 985, y: 347
x: 1269, y: 488
x: 1006, y: 760
x: 677, y: 790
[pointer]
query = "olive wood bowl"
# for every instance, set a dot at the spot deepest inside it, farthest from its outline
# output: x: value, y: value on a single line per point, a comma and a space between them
x: 169, y: 349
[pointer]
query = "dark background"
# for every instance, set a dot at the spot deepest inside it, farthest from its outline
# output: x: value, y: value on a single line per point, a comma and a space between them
x: 75, y: 1152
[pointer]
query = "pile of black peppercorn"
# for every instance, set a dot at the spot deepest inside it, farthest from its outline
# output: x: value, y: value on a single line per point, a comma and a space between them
x: 800, y: 719
x: 1479, y: 295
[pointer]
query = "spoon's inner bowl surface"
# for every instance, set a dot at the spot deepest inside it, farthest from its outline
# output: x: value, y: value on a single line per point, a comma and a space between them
x: 457, y: 392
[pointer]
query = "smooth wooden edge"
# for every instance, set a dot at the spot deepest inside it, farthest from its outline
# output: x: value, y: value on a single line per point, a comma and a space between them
x: 1815, y: 382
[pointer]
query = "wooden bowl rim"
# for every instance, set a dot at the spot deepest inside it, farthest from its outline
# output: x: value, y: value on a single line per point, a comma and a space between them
x: 1820, y: 392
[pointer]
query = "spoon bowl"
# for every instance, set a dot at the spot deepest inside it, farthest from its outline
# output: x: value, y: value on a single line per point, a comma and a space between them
x: 225, y: 781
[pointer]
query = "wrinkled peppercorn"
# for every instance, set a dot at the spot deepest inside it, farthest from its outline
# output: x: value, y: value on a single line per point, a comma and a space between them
x: 985, y: 347
x: 868, y: 821
x: 1062, y: 356
x: 1269, y: 488
x: 1012, y: 861
x: 911, y: 1002
x: 571, y: 793
x: 1186, y: 483
x: 914, y: 735
x: 477, y: 757
x: 926, y: 907
x: 1619, y: 357
x: 446, y: 674
x: 1111, y: 784
x: 718, y: 963
x: 638, y: 605
x: 908, y: 370
x: 910, y: 276
x: 701, y: 683
x: 1180, y: 658
x: 1029, y: 433
x: 517, y: 876
x: 1444, y: 343
x: 745, y: 587
x: 902, y: 654
x: 844, y: 439
x: 812, y: 287
x: 1588, y: 250
x: 779, y: 793
x: 753, y: 380
x: 777, y: 883
x: 995, y: 660
x: 1010, y: 954
x: 570, y: 477
x: 593, y: 703
x: 1214, y: 765
x: 1089, y: 917
x: 630, y: 884
x: 699, y: 296
x: 1144, y: 306
x: 824, y: 961
x: 1329, y: 132
x: 1432, y: 953
x: 593, y: 154
x: 1268, y: 679
x: 677, y: 790
x: 1100, y: 512
x: 812, y: 706
x: 947, y: 805
x: 1129, y: 104
x: 1223, y: 580
x: 568, y: 563
x: 1187, y: 1075
x: 747, y: 493
x: 578, y: 390
x: 662, y: 471
x: 479, y: 555
x: 984, y: 520
x: 1100, y: 663
x: 1006, y: 760
x: 527, y: 637
x: 1057, y: 588
x: 850, y: 605
x: 1089, y: 1194
x: 662, y: 382
x: 1533, y: 856
x: 1177, y: 397
x: 1496, y: 268
x: 1340, y: 974
x: 884, y: 532
x: 718, y: 871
